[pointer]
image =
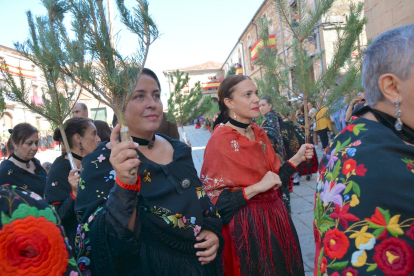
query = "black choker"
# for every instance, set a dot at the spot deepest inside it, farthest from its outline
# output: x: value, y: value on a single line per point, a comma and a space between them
x: 21, y: 160
x: 144, y: 142
x: 77, y: 156
x: 238, y: 124
x: 406, y: 133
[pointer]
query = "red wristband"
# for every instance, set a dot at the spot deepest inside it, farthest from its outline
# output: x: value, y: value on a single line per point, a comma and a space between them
x: 133, y: 187
x: 71, y: 195
x: 244, y: 194
x: 293, y: 166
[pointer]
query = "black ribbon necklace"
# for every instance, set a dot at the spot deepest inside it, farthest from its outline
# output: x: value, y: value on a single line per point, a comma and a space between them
x: 77, y: 156
x: 144, y: 142
x: 21, y: 160
x: 238, y: 124
x: 406, y: 133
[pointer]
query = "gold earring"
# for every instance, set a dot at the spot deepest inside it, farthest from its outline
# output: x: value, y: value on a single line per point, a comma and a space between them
x: 235, y: 117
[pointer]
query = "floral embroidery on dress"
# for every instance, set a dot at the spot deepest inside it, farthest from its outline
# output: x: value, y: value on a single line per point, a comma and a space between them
x: 176, y: 219
x: 146, y: 176
x: 410, y: 164
x: 235, y: 145
x: 9, y: 172
x: 200, y: 192
x: 208, y: 183
x: 112, y: 175
x: 337, y: 193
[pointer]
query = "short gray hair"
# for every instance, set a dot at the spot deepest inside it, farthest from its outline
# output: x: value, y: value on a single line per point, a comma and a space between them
x: 84, y: 107
x: 392, y: 52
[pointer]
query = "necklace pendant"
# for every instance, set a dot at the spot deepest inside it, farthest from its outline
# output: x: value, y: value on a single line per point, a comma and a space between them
x: 151, y: 144
x: 27, y: 165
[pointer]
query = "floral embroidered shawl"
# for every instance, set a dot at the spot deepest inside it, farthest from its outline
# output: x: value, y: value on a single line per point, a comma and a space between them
x: 364, y: 211
x: 229, y: 167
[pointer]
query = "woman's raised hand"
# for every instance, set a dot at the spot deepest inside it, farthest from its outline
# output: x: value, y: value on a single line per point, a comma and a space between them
x: 73, y: 180
x: 124, y: 157
x: 304, y: 153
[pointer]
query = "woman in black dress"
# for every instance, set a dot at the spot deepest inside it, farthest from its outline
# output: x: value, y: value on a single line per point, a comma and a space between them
x: 61, y: 192
x: 22, y: 169
x: 157, y: 222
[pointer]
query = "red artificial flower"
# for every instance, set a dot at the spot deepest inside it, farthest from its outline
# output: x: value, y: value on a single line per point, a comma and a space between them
x: 410, y: 232
x: 360, y: 170
x: 343, y: 215
x: 349, y: 272
x: 335, y: 244
x: 32, y: 246
x: 349, y: 166
x: 324, y: 263
x: 394, y: 257
x: 410, y: 167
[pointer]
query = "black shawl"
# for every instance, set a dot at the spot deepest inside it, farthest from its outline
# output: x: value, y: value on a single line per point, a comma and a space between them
x: 14, y: 175
x: 172, y: 209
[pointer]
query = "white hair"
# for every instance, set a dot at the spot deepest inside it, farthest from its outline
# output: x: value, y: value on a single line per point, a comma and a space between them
x: 392, y: 52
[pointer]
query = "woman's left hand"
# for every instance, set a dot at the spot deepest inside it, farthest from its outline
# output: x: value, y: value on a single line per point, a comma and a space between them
x: 304, y: 153
x: 210, y: 243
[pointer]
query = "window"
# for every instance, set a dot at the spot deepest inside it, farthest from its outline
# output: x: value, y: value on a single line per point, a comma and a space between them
x: 99, y: 114
x: 34, y: 90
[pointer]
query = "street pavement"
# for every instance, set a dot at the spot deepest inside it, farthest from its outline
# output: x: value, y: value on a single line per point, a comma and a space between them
x: 302, y: 197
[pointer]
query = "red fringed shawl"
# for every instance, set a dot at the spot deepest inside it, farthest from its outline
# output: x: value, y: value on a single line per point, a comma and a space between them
x: 231, y: 161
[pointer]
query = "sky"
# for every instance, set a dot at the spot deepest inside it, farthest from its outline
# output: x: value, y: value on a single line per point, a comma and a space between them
x: 193, y: 31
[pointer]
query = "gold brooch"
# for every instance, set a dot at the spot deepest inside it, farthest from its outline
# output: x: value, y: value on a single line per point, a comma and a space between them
x: 263, y: 145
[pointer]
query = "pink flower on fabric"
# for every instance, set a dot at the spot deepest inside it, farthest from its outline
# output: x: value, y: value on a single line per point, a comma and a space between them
x: 101, y: 158
x: 197, y: 230
x: 331, y: 193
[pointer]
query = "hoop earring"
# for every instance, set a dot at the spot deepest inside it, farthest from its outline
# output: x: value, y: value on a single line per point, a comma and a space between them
x: 235, y: 117
x: 398, y: 123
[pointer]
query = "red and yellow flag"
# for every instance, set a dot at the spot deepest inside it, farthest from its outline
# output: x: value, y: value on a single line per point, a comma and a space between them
x: 210, y: 85
x: 239, y: 70
x: 254, y: 51
x: 19, y: 71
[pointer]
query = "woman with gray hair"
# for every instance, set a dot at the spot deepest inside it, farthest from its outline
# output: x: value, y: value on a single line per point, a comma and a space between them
x: 364, y: 212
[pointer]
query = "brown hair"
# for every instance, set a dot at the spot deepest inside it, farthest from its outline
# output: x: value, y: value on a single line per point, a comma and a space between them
x: 226, y: 90
x: 19, y: 134
x: 72, y: 126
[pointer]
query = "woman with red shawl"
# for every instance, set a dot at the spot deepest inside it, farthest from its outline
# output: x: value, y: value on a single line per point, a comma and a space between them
x: 241, y: 174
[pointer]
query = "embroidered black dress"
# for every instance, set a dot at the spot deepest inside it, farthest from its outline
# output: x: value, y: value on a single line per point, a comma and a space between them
x: 172, y: 208
x: 14, y: 175
x: 57, y: 193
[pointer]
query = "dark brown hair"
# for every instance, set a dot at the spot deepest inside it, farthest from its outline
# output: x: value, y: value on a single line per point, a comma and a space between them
x: 72, y: 126
x: 226, y: 90
x: 19, y: 134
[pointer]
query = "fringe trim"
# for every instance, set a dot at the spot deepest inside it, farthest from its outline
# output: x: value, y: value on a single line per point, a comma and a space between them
x: 259, y: 219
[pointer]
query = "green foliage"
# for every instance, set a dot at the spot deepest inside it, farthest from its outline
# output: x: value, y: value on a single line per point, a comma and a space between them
x: 2, y: 103
x: 342, y: 76
x: 231, y: 71
x: 182, y: 108
x: 215, y: 109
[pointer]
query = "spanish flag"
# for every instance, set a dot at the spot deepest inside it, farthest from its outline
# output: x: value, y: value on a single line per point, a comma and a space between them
x: 210, y: 85
x: 186, y: 89
x: 254, y: 51
x: 19, y: 71
x: 239, y: 70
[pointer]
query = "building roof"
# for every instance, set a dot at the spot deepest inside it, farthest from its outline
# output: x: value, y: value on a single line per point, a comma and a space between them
x: 205, y: 66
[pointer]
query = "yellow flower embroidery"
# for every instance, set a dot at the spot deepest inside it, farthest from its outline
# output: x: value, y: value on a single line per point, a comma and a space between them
x: 391, y: 257
x: 147, y: 176
x: 393, y: 225
x: 359, y: 258
x: 363, y: 238
x: 354, y: 200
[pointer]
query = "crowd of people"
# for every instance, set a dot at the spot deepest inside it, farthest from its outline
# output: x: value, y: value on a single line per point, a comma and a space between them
x: 234, y: 218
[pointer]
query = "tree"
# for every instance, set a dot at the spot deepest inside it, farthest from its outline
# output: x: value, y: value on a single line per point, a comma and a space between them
x: 2, y: 105
x: 339, y: 77
x: 90, y: 58
x: 182, y: 108
x: 231, y: 71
